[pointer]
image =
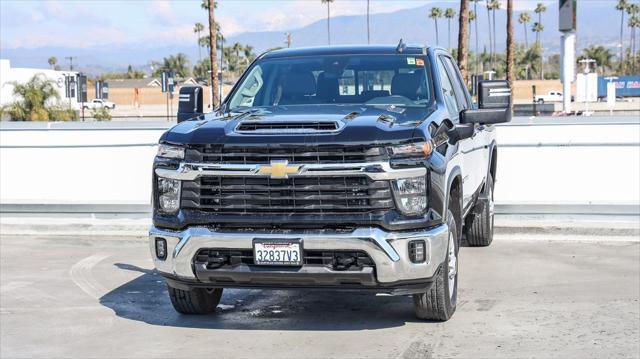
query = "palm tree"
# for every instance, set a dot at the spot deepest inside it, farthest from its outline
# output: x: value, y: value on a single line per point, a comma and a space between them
x: 601, y: 54
x: 622, y: 7
x: 634, y: 23
x: 197, y: 29
x: 510, y: 47
x: 32, y: 99
x: 213, y: 51
x: 177, y: 64
x: 540, y: 8
x: 449, y: 13
x: 489, y: 24
x: 463, y: 39
x: 52, y: 61
x: 495, y: 5
x: 472, y: 18
x: 475, y: 11
x: 236, y: 48
x: 328, y: 2
x: 537, y: 28
x: 524, y: 19
x: 435, y: 14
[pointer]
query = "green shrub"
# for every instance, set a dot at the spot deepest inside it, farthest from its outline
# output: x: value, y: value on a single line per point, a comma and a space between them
x: 61, y: 113
x: 101, y: 114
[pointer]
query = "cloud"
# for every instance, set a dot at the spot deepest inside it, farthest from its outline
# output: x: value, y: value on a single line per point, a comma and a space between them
x: 163, y: 12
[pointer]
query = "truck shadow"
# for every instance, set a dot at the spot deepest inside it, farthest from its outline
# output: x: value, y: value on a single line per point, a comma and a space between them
x: 145, y: 299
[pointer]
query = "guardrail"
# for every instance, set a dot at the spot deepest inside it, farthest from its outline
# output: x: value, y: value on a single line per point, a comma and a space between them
x: 585, y: 168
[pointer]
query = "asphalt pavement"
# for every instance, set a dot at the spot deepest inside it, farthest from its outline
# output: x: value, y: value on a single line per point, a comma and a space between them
x: 81, y: 297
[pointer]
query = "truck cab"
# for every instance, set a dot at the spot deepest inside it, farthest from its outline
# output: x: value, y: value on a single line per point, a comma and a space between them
x: 349, y: 167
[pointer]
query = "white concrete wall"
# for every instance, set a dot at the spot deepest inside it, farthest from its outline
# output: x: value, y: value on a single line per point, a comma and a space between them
x: 604, y: 173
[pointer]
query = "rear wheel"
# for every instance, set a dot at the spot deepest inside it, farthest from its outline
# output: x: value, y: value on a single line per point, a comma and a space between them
x: 479, y: 228
x: 439, y: 302
x: 195, y: 300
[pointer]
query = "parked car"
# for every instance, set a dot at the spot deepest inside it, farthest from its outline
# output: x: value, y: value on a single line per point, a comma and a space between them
x: 552, y: 96
x: 352, y: 168
x: 97, y: 104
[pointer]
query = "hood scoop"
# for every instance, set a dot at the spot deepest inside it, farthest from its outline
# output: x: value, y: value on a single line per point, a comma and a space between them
x: 287, y: 127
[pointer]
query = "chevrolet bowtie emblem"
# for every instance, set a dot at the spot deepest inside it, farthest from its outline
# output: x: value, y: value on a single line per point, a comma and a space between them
x: 279, y: 169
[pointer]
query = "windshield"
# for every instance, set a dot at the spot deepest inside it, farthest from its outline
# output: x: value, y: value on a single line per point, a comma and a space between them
x: 375, y: 80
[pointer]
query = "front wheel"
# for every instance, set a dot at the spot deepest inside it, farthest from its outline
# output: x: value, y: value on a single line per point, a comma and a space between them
x: 439, y: 302
x: 195, y: 300
x: 541, y: 101
x: 479, y: 228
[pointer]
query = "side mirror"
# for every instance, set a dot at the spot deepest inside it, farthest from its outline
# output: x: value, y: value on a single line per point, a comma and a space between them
x: 189, y: 103
x: 494, y: 104
x: 460, y: 132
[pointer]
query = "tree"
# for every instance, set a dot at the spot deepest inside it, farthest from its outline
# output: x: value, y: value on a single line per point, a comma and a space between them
x: 540, y: 8
x: 622, y: 7
x: 494, y: 5
x: 52, y: 61
x: 510, y: 47
x: 197, y: 29
x: 490, y: 33
x: 634, y: 23
x: 34, y: 101
x: 601, y: 54
x: 475, y: 11
x: 435, y: 14
x: 463, y: 40
x: 177, y: 64
x: 449, y: 13
x: 524, y: 19
x: 328, y: 2
x: 213, y: 51
x: 472, y: 18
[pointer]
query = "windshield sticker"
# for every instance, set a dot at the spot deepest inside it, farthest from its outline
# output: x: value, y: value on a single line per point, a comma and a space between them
x: 411, y: 60
x: 419, y: 62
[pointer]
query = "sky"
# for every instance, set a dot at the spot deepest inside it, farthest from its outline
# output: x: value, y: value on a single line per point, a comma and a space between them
x: 82, y: 24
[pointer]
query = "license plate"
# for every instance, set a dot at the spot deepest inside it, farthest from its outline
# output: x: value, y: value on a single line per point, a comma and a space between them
x: 277, y: 252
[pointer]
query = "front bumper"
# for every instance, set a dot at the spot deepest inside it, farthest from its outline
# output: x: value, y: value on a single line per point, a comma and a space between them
x: 388, y: 250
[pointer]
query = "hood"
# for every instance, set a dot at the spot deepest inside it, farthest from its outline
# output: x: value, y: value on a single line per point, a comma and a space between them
x: 354, y: 125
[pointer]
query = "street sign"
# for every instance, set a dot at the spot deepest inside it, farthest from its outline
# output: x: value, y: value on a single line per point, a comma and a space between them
x: 82, y: 88
x: 105, y: 90
x: 164, y: 81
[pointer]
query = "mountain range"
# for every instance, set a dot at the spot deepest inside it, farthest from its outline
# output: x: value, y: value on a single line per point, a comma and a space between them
x: 598, y: 23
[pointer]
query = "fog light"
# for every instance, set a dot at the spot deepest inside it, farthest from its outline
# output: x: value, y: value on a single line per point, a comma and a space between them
x: 417, y: 251
x: 161, y: 248
x: 168, y: 195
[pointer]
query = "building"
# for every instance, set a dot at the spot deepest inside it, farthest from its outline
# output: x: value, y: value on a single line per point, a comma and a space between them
x: 9, y: 74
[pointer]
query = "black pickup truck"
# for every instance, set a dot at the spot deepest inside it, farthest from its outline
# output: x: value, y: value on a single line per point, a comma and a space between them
x: 353, y: 168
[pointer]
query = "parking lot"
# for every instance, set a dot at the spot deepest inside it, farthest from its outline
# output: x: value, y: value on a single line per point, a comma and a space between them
x: 82, y: 297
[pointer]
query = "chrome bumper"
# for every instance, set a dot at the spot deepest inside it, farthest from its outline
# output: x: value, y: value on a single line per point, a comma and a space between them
x: 388, y: 250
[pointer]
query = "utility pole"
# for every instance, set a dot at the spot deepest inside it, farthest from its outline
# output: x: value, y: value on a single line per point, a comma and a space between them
x: 288, y: 40
x: 70, y: 58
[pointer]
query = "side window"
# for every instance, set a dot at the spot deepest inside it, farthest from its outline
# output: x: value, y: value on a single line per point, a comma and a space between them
x: 447, y: 91
x: 248, y: 89
x: 458, y: 83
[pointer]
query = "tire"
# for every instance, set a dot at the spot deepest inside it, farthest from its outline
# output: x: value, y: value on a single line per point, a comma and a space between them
x: 541, y: 101
x: 439, y: 302
x: 479, y: 226
x: 196, y: 300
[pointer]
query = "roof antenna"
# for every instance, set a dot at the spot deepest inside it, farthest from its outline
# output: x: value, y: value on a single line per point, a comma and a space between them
x: 401, y: 46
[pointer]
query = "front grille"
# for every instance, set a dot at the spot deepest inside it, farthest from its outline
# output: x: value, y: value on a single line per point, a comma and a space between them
x: 276, y: 127
x: 242, y: 195
x: 214, y: 258
x: 293, y: 154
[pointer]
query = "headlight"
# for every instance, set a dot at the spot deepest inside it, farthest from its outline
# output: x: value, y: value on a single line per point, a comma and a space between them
x: 170, y: 151
x: 168, y: 195
x: 422, y: 149
x: 411, y: 195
